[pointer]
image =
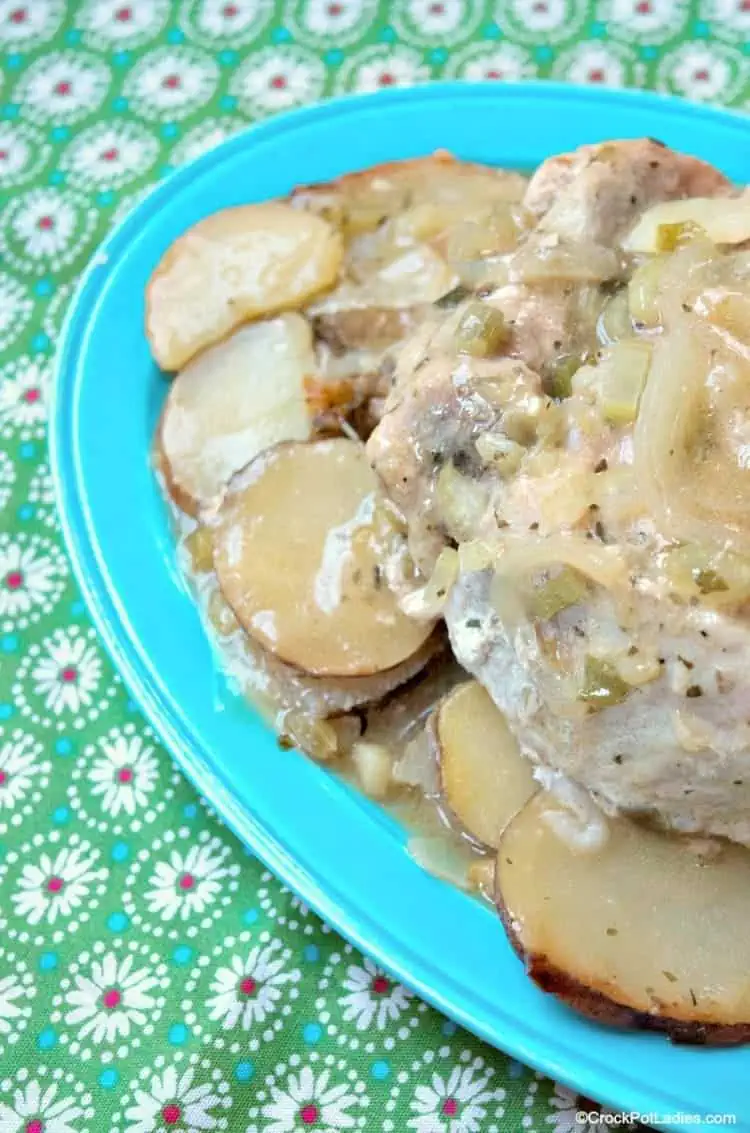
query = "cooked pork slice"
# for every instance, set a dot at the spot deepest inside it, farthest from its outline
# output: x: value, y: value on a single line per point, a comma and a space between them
x: 607, y: 616
x: 424, y: 446
x: 596, y: 192
x: 674, y: 750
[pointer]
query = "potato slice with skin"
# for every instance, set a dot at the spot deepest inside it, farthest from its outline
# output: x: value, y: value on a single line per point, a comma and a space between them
x: 302, y: 541
x: 230, y: 403
x: 326, y: 696
x: 484, y: 778
x: 642, y: 932
x: 239, y: 264
x: 388, y: 190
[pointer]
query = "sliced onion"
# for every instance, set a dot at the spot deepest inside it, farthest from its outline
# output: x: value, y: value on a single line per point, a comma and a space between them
x: 614, y: 322
x: 417, y: 767
x: 726, y: 220
x: 696, y: 500
x: 524, y: 557
x: 443, y: 857
x: 542, y: 259
x: 428, y: 602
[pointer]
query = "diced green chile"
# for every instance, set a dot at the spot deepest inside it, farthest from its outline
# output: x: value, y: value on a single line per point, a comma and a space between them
x: 709, y: 581
x: 557, y: 380
x: 453, y: 297
x: 566, y: 588
x: 481, y: 331
x: 602, y: 684
x: 672, y: 236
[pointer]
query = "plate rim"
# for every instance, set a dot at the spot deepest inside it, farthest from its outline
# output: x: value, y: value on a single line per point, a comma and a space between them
x: 111, y: 620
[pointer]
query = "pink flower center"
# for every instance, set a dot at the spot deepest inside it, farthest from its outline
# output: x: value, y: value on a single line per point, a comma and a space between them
x: 3, y: 777
x: 123, y: 15
x: 309, y: 1114
x: 248, y: 986
x: 172, y: 82
x: 34, y: 1126
x: 18, y: 17
x: 745, y: 6
x: 111, y: 999
x: 63, y: 87
x: 437, y: 9
x: 335, y: 9
x: 3, y: 155
x: 701, y: 76
x: 230, y: 11
x: 450, y: 1107
x: 596, y: 75
x: 643, y: 8
x: 31, y: 395
x: 494, y: 74
x: 386, y: 79
x: 55, y: 884
x: 187, y: 881
x: 14, y: 580
x: 278, y: 82
x: 45, y: 223
x: 111, y: 154
x: 540, y: 7
x: 69, y: 675
x: 125, y: 775
x: 380, y: 985
x: 171, y: 1114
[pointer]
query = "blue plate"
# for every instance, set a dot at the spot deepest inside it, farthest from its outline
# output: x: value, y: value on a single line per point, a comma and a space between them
x: 342, y: 855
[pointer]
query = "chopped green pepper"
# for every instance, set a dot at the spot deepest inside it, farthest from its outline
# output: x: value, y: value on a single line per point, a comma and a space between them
x: 566, y: 588
x: 672, y: 236
x: 708, y: 581
x: 453, y: 297
x: 481, y: 331
x: 602, y: 684
x: 557, y: 381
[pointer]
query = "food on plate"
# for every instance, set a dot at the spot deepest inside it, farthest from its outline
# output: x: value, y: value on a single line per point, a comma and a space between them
x: 643, y: 931
x: 485, y: 781
x: 233, y: 401
x: 579, y: 481
x: 239, y: 264
x: 301, y: 544
x: 436, y: 396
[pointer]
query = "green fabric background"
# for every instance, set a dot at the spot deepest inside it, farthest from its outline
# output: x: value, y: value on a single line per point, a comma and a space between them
x: 152, y: 975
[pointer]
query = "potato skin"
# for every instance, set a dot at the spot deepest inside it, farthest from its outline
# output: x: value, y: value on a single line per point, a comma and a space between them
x: 432, y: 732
x: 602, y: 1008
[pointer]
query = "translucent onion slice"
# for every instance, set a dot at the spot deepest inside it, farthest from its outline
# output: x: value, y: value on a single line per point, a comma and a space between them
x: 726, y: 220
x: 527, y: 556
x: 693, y: 481
x: 542, y: 260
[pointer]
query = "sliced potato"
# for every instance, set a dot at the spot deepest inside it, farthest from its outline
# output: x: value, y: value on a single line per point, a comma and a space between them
x: 417, y: 275
x: 396, y: 218
x: 302, y: 540
x: 362, y: 201
x: 485, y: 780
x: 239, y: 264
x: 725, y: 220
x: 641, y: 932
x: 230, y: 403
x: 263, y: 677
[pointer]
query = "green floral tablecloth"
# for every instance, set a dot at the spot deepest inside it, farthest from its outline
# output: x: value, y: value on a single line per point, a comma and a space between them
x: 153, y: 976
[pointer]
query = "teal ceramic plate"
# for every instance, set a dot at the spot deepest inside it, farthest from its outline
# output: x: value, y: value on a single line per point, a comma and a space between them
x: 343, y: 856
